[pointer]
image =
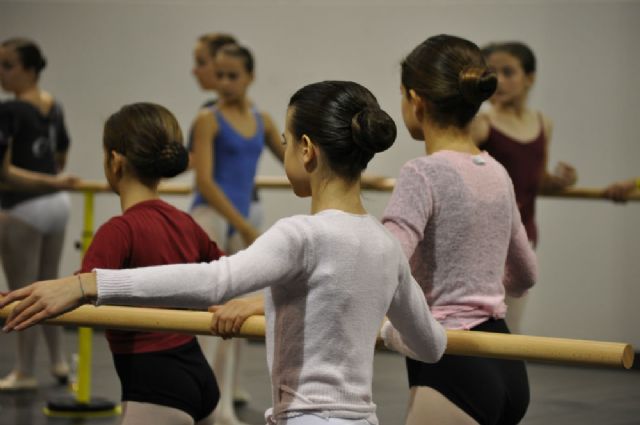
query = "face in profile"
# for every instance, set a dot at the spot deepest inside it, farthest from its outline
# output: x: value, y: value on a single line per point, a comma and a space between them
x: 293, y: 163
x: 513, y: 82
x: 409, y: 117
x: 13, y: 76
x: 204, y: 68
x: 232, y: 77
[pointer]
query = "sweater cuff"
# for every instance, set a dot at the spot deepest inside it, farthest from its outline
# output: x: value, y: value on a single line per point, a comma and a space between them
x: 113, y: 285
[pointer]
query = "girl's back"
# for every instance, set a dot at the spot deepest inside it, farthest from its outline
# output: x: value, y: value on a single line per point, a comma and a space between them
x: 150, y: 233
x: 464, y: 216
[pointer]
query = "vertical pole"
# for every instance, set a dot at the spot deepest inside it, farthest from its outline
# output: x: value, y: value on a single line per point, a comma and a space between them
x: 85, y: 335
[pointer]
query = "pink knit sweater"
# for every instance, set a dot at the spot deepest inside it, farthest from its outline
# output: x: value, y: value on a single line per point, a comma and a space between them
x: 456, y: 218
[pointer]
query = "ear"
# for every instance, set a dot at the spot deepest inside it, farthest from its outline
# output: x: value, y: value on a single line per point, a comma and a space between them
x: 417, y: 103
x: 308, y: 153
x: 116, y: 163
x: 530, y: 79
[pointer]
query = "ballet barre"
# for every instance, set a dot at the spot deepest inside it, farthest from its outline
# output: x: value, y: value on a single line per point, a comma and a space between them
x: 379, y: 184
x: 465, y: 343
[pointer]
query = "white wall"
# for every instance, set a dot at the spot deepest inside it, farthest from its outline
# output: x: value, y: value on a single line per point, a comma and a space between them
x: 103, y: 54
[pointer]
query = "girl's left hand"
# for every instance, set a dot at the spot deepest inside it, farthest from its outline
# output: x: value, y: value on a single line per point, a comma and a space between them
x: 228, y: 318
x: 41, y: 301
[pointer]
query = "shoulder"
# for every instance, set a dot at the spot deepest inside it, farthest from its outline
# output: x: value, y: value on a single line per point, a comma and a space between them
x: 480, y: 127
x: 547, y: 124
x: 205, y: 121
x: 119, y: 226
x: 266, y: 119
x: 206, y: 116
x: 426, y: 166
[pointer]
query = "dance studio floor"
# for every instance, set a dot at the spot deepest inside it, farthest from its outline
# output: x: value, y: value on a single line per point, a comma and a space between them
x: 560, y: 395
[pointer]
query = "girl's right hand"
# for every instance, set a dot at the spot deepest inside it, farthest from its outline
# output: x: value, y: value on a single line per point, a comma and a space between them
x: 65, y: 181
x: 564, y: 175
x: 41, y: 301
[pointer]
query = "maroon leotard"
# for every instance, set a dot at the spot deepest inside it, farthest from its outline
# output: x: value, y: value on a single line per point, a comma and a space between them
x: 524, y: 161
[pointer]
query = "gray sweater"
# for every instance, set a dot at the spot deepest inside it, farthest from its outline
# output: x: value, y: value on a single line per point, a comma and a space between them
x: 331, y: 278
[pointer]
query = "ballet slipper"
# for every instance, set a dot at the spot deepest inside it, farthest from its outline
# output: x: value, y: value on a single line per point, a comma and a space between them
x: 14, y: 382
x: 61, y: 373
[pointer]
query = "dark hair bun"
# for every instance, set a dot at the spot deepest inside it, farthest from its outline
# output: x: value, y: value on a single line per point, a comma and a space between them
x: 173, y: 160
x: 373, y: 130
x: 477, y: 84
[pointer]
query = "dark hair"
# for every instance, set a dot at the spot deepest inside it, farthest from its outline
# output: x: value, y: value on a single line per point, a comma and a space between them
x: 451, y: 74
x: 216, y: 40
x: 149, y: 136
x: 345, y: 121
x: 518, y: 50
x: 240, y: 52
x: 29, y: 53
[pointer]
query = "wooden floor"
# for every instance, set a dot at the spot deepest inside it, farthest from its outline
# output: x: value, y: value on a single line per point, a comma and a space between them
x: 560, y: 395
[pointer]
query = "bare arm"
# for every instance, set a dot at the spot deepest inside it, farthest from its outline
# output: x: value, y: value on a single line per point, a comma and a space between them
x: 564, y: 175
x: 19, y: 178
x: 479, y: 129
x: 273, y: 138
x: 204, y: 132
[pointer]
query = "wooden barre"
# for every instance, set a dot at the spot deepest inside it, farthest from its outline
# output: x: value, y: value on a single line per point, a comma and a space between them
x: 482, y: 344
x: 380, y: 184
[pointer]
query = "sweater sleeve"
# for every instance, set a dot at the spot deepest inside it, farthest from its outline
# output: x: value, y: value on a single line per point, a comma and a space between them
x: 409, y: 208
x: 412, y: 330
x: 521, y: 268
x: 275, y: 258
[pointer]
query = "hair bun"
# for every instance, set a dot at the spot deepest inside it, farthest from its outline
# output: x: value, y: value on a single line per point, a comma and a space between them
x: 373, y: 130
x: 172, y: 161
x: 477, y: 84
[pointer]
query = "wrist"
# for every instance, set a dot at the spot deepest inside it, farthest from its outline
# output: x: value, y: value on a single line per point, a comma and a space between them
x: 88, y: 287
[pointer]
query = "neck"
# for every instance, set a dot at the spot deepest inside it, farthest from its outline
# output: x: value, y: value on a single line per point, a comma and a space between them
x: 132, y: 192
x: 336, y: 193
x: 29, y: 93
x: 240, y: 105
x: 449, y: 138
x: 518, y: 107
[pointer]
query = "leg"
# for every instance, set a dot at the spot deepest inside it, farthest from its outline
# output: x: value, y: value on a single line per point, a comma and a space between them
x: 427, y: 406
x: 209, y: 420
x: 50, y: 260
x: 224, y: 367
x: 225, y: 357
x: 515, y: 313
x: 21, y: 246
x: 136, y: 413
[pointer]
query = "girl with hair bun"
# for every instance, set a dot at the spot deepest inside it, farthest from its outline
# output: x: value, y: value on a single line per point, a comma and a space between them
x: 326, y: 293
x: 35, y: 144
x: 142, y: 144
x: 519, y: 137
x: 455, y: 215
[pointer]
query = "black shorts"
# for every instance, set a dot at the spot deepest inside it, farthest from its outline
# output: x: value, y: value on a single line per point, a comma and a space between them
x: 179, y: 377
x: 491, y: 391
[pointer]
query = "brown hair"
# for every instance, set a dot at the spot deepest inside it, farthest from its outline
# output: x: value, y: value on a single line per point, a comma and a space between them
x: 149, y: 136
x: 216, y: 40
x: 451, y: 74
